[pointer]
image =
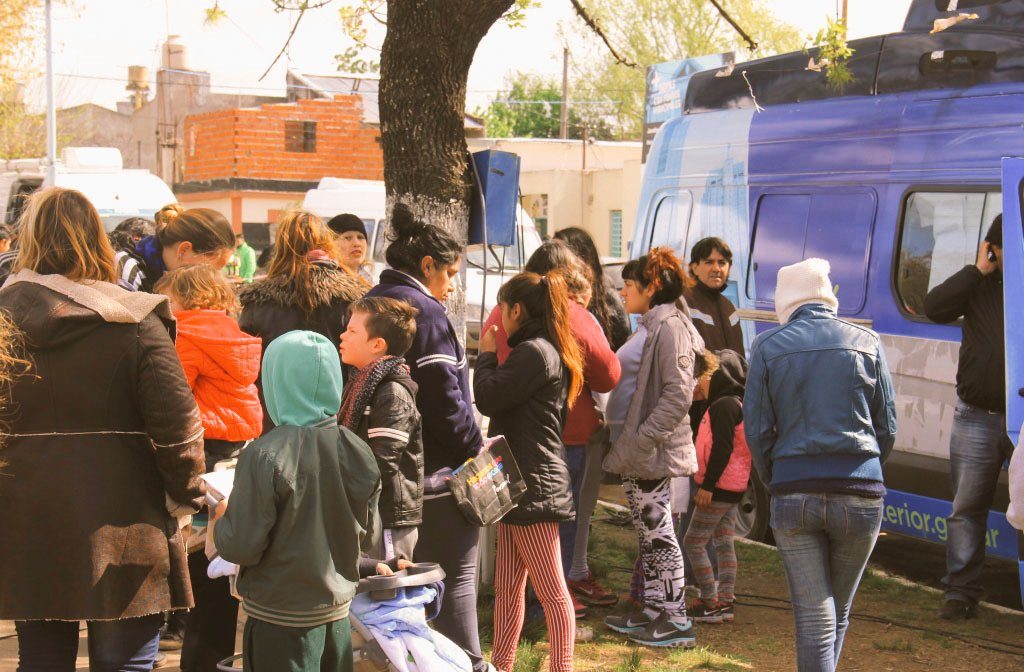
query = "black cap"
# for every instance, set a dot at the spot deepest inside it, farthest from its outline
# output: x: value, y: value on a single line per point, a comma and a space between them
x: 344, y: 223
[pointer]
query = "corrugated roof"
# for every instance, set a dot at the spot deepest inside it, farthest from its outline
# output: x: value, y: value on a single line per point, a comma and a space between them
x: 328, y: 86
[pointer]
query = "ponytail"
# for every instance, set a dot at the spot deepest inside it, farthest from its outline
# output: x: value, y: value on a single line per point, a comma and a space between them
x: 546, y: 299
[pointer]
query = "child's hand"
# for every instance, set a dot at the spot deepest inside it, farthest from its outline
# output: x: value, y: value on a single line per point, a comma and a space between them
x: 403, y: 564
x: 703, y: 497
x: 219, y: 510
x: 383, y: 569
x: 489, y: 339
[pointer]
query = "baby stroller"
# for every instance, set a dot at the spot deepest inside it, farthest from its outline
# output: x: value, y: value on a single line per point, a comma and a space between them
x: 389, y: 625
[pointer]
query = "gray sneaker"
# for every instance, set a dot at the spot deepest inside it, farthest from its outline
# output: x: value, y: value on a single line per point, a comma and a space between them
x: 664, y: 632
x: 627, y: 624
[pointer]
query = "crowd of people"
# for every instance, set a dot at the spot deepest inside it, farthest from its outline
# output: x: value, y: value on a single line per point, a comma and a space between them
x: 137, y: 362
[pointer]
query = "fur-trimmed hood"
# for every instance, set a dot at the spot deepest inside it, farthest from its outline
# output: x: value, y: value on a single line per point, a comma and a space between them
x: 330, y: 284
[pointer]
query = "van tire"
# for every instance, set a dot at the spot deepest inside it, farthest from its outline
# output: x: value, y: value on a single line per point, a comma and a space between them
x: 754, y: 515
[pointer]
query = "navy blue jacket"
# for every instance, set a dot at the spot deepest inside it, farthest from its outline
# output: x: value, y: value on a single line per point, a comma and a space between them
x: 437, y: 364
x: 819, y: 401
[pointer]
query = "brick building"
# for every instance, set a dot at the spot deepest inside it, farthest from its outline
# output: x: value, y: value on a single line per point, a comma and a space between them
x: 252, y: 163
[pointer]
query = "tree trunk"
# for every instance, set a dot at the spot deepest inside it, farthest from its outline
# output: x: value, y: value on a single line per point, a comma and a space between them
x: 425, y: 62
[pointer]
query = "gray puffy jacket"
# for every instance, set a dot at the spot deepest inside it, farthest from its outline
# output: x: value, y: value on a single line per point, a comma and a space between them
x: 656, y: 440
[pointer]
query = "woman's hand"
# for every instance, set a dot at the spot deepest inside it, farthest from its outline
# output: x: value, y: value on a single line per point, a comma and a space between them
x: 383, y: 569
x: 703, y: 497
x: 489, y: 339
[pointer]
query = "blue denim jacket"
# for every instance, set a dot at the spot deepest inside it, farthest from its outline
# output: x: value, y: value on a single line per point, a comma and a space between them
x: 819, y: 400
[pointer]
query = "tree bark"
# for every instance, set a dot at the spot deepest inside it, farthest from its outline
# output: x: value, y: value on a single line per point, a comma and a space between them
x: 425, y: 62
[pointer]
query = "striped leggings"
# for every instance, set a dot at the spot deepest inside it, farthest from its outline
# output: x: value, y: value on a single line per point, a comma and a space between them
x: 531, y: 551
x: 716, y: 520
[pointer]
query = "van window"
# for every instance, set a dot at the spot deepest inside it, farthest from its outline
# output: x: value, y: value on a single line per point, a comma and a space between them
x: 791, y: 227
x: 671, y: 221
x: 940, y: 234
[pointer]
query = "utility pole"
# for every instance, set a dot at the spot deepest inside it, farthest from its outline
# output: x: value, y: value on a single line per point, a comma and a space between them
x: 845, y: 26
x: 563, y: 132
x: 51, y: 114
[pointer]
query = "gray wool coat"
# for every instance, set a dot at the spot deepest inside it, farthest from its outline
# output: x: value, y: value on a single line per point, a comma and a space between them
x: 656, y: 440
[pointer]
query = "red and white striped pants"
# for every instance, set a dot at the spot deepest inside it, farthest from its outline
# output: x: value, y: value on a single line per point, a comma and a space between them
x: 531, y: 551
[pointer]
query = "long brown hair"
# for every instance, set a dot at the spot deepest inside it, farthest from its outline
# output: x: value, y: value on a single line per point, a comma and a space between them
x: 206, y: 229
x: 61, y: 233
x: 298, y: 234
x: 13, y: 363
x: 546, y: 298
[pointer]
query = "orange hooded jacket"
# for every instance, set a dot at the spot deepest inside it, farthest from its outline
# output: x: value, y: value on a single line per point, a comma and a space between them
x: 221, y: 364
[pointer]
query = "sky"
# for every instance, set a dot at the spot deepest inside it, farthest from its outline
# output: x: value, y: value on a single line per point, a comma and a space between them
x: 96, y: 40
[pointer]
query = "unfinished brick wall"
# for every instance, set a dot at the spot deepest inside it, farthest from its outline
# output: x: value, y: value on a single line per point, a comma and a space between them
x: 250, y: 143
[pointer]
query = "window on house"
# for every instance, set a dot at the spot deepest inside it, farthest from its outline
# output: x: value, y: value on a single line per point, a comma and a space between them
x: 615, y: 237
x: 300, y: 136
x: 941, y: 232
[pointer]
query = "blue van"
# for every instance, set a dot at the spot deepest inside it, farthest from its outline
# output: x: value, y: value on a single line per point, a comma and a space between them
x: 894, y: 180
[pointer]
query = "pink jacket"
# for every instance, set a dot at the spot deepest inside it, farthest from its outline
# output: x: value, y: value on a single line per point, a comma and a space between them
x: 736, y: 474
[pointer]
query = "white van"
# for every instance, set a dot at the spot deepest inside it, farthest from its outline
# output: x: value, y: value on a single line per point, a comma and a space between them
x: 98, y: 172
x: 366, y: 199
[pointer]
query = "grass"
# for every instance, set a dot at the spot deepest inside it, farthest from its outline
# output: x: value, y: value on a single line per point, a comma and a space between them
x: 763, y: 638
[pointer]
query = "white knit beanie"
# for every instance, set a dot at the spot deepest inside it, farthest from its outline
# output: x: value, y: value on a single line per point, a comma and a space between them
x: 801, y: 284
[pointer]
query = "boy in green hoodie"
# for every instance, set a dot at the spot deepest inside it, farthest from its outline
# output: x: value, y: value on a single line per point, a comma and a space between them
x: 303, y: 505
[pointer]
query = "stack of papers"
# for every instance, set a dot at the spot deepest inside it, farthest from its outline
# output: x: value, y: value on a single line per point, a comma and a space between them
x: 218, y: 485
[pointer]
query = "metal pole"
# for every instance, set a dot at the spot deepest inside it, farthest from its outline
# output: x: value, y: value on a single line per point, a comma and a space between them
x: 563, y: 132
x: 845, y: 24
x: 51, y: 114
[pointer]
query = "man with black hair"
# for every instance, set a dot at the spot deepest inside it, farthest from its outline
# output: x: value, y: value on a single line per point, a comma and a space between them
x: 978, y: 444
x: 714, y: 315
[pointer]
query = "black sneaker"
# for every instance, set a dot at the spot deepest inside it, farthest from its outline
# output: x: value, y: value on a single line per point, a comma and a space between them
x: 628, y: 623
x: 171, y: 641
x: 727, y: 612
x: 702, y: 612
x: 663, y: 632
x: 957, y: 610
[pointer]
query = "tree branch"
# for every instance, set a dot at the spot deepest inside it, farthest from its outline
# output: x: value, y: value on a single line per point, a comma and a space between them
x: 302, y: 12
x: 736, y: 26
x: 592, y: 24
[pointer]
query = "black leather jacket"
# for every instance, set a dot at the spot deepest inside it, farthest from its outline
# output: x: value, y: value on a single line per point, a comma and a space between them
x: 393, y: 430
x: 525, y: 398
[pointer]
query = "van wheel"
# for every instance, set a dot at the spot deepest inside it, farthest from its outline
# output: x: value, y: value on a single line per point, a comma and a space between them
x: 753, y: 515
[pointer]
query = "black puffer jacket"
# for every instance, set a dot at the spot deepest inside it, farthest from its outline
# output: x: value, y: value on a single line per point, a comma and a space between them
x: 392, y: 427
x: 270, y: 308
x: 525, y: 398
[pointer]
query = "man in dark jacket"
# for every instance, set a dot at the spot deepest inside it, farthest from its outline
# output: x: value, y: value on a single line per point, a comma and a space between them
x: 715, y: 317
x: 978, y: 444
x: 379, y: 405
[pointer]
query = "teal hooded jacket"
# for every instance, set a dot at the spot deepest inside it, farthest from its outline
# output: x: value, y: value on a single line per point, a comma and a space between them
x: 305, y: 495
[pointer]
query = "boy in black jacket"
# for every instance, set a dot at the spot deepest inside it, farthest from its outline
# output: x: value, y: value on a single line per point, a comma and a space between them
x: 379, y: 405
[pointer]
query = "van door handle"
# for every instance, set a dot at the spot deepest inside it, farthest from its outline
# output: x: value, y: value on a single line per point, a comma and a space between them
x: 1021, y: 392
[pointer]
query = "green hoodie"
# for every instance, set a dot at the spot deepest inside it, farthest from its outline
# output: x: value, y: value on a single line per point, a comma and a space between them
x: 305, y: 494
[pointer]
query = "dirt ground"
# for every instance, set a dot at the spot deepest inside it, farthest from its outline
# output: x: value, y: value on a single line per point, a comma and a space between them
x: 909, y: 638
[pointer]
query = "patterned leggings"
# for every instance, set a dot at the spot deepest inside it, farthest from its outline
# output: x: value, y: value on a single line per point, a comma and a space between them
x: 714, y: 520
x: 651, y: 506
x: 531, y: 551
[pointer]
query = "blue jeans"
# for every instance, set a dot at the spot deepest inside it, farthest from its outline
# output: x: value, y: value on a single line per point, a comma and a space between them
x: 825, y: 541
x: 977, y: 448
x: 576, y: 459
x: 128, y: 645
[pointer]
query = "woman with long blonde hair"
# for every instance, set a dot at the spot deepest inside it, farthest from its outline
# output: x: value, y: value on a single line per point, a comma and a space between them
x: 304, y: 289
x: 104, y: 448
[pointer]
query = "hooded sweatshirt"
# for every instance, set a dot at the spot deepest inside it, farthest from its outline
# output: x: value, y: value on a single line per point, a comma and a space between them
x: 723, y: 460
x: 221, y: 365
x: 305, y: 494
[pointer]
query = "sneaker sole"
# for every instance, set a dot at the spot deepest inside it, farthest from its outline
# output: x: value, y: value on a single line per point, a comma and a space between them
x: 624, y: 630
x: 685, y: 643
x: 713, y: 620
x: 594, y: 602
